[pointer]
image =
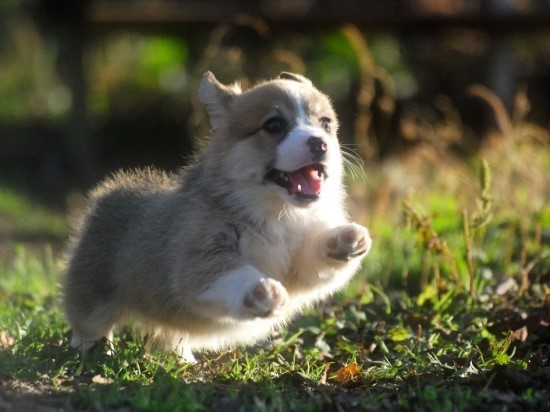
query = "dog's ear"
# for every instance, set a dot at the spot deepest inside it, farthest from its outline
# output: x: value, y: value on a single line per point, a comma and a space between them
x: 294, y: 76
x: 216, y: 98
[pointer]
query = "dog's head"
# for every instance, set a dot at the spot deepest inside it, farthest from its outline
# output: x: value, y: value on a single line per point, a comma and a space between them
x: 279, y: 137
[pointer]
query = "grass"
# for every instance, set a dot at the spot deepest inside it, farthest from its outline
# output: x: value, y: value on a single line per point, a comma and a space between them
x: 449, y: 314
x: 23, y: 219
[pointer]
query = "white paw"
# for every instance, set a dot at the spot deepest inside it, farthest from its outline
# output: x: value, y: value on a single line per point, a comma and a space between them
x: 348, y: 241
x: 265, y: 298
x: 86, y: 345
x: 185, y: 354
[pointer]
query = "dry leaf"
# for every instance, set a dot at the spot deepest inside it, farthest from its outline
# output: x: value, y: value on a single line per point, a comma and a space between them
x: 346, y: 374
x: 228, y: 356
x: 102, y: 380
x: 324, y: 376
x: 5, y: 340
x: 520, y: 334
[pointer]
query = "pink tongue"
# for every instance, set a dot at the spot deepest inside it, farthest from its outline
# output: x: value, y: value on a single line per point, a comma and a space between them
x: 305, y: 180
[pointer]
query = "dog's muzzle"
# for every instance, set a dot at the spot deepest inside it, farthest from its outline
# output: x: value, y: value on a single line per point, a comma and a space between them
x: 305, y: 183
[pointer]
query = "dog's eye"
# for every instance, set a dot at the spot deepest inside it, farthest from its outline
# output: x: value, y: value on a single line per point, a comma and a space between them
x: 275, y: 125
x: 326, y: 124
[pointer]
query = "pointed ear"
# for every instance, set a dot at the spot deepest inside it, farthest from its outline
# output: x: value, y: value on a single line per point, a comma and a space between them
x: 216, y: 98
x: 294, y: 76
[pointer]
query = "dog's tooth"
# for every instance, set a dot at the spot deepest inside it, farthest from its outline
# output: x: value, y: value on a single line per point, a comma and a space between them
x: 299, y: 188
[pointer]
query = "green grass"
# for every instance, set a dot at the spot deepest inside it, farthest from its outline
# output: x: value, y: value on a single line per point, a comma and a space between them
x: 24, y: 219
x: 421, y: 328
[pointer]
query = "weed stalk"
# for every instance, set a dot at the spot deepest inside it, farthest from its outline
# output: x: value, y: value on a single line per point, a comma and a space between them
x: 469, y: 259
x: 481, y: 218
x: 433, y: 245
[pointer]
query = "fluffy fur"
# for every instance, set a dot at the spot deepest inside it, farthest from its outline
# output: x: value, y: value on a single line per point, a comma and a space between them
x: 233, y: 247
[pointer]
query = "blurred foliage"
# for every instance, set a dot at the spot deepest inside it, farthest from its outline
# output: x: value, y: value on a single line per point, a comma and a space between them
x: 30, y: 85
x: 23, y: 219
x: 132, y: 63
x: 397, y: 93
x: 125, y: 66
x: 13, y: 5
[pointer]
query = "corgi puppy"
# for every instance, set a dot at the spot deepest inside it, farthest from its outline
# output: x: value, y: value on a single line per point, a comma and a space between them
x: 237, y: 244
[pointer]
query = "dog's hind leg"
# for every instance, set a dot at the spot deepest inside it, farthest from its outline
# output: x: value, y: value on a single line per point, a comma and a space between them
x: 85, y: 343
x: 166, y: 340
x: 181, y: 348
x: 94, y: 327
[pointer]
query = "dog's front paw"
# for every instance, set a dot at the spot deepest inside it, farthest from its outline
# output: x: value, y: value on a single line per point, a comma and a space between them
x: 348, y: 241
x: 265, y: 298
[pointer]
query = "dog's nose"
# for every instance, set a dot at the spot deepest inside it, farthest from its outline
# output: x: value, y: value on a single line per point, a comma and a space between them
x: 318, y: 147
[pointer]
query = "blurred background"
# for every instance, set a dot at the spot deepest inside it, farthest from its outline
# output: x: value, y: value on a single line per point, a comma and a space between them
x: 423, y: 89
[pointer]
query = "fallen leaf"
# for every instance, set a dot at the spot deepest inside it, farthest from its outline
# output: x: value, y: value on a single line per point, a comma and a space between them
x: 5, y: 340
x: 509, y: 285
x: 323, y: 380
x: 102, y: 380
x: 346, y: 374
x: 228, y: 356
x: 520, y: 334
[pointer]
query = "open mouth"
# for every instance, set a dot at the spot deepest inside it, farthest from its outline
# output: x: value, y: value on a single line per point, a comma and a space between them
x: 305, y: 183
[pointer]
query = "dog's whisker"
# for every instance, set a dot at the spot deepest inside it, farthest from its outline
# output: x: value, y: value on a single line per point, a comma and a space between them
x: 351, y: 153
x: 353, y: 162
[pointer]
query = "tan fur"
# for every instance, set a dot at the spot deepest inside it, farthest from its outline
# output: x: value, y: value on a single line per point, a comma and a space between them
x: 219, y: 255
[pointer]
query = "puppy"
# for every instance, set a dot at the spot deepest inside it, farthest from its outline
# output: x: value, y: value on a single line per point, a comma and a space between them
x: 236, y: 245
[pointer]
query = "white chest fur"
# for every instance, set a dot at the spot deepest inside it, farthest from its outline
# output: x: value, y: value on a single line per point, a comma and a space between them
x: 273, y: 249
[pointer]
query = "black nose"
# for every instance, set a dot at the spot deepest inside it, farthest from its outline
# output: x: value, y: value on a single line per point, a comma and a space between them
x: 318, y: 147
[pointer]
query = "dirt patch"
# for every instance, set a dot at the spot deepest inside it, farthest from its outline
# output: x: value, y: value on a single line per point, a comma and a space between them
x: 18, y: 396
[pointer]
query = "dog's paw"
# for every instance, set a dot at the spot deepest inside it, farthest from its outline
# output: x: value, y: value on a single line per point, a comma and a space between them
x: 348, y: 241
x: 265, y: 298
